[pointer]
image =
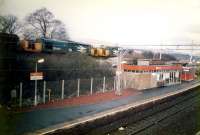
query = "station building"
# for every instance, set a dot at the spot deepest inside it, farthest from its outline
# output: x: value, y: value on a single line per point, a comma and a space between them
x: 145, y: 76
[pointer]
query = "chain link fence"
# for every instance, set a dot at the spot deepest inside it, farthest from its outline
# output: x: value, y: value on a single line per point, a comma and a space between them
x: 63, y: 89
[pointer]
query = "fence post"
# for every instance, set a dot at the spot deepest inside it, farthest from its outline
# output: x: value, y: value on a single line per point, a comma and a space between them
x: 63, y: 86
x: 124, y: 81
x: 44, y: 91
x: 49, y: 94
x: 20, y: 95
x: 91, y: 86
x: 104, y: 83
x: 114, y: 84
x: 78, y: 88
x: 35, y: 98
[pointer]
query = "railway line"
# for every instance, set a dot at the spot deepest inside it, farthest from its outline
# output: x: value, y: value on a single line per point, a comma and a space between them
x: 171, y: 108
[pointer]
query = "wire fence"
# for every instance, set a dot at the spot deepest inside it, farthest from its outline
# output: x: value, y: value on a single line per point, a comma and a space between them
x: 47, y: 91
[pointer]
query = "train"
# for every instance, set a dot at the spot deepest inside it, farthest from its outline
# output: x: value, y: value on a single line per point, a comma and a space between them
x: 45, y: 45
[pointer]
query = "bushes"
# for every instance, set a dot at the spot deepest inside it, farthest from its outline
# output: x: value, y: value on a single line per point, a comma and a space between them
x: 63, y: 66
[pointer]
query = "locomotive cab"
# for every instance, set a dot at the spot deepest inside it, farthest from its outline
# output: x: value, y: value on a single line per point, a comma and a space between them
x: 30, y: 46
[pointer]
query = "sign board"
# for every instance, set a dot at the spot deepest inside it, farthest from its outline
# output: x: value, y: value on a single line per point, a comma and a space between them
x: 13, y: 93
x: 36, y: 76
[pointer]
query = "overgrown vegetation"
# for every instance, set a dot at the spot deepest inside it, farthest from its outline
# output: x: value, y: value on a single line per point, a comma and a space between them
x: 61, y: 66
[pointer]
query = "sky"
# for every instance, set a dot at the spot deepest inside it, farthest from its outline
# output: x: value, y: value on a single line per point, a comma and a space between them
x: 120, y: 22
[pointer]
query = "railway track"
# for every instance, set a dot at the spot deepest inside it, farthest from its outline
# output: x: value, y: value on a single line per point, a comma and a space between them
x: 181, y: 104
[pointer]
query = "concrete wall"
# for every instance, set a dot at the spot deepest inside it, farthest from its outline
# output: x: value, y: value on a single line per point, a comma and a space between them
x: 140, y: 81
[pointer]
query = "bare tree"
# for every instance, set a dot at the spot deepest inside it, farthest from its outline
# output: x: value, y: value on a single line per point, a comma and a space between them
x: 44, y: 23
x: 58, y: 31
x: 29, y: 33
x: 9, y: 24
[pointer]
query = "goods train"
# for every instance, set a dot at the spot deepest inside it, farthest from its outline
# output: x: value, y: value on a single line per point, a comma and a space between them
x: 45, y: 45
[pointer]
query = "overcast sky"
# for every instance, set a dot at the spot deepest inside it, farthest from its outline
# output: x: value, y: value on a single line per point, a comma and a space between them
x: 120, y: 21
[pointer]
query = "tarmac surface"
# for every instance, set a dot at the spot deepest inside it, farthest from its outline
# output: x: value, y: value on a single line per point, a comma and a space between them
x: 33, y: 120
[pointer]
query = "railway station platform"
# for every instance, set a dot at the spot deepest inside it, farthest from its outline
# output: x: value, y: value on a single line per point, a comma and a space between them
x: 49, y: 119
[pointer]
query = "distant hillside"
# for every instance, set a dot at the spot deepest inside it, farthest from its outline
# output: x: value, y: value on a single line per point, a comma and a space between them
x: 143, y: 54
x: 165, y: 56
x: 180, y: 56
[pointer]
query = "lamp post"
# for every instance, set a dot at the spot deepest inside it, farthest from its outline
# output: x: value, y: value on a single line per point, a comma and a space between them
x: 36, y: 68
